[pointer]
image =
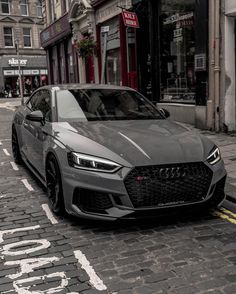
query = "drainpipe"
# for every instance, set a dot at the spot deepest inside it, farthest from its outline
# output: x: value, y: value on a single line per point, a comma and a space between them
x: 217, y: 66
x: 211, y: 101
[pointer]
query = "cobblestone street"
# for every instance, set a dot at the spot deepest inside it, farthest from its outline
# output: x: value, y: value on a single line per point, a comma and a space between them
x: 41, y: 254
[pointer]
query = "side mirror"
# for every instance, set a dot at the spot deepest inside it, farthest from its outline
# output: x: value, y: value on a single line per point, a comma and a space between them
x: 36, y: 115
x: 164, y: 112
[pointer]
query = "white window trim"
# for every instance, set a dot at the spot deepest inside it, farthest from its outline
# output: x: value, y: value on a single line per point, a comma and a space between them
x: 41, y: 7
x: 13, y: 46
x: 27, y: 8
x: 31, y: 41
x: 9, y: 7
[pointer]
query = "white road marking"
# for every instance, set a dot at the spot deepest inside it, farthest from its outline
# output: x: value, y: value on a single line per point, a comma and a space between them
x: 6, y: 152
x: 6, y: 249
x: 0, y: 143
x: 14, y: 166
x: 3, y: 196
x: 25, y: 290
x: 49, y: 214
x: 12, y: 231
x: 29, y: 264
x: 94, y: 279
x: 27, y: 185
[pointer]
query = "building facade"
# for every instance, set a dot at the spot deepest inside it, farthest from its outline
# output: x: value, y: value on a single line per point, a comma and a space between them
x: 179, y: 56
x: 21, y: 22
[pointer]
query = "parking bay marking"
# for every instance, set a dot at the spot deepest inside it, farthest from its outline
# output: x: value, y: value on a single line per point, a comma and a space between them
x: 85, y: 264
x: 6, y: 152
x: 14, y: 166
x: 49, y: 214
x: 27, y: 185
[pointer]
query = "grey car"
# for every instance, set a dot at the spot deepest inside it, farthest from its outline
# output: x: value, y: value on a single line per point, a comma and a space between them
x: 106, y: 152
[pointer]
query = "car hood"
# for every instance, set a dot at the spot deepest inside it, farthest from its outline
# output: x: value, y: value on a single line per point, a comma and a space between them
x: 145, y: 142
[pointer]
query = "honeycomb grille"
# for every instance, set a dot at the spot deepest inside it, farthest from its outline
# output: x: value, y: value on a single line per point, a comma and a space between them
x: 92, y: 201
x: 168, y: 185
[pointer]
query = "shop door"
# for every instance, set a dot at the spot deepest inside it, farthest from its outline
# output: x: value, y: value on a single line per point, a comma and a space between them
x: 89, y: 70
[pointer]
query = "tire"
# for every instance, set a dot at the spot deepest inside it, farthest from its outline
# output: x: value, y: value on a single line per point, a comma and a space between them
x: 15, y: 147
x: 54, y: 186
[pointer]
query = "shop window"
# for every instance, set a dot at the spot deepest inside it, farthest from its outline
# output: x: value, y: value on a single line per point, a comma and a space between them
x: 113, y: 68
x: 8, y: 36
x: 5, y: 6
x: 27, y: 37
x: 178, y: 80
x: 24, y: 7
x: 39, y: 9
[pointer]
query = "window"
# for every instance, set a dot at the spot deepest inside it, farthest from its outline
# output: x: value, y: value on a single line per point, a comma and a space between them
x: 27, y: 37
x: 178, y: 79
x: 39, y: 9
x: 24, y: 7
x: 41, y: 100
x: 5, y: 6
x: 8, y: 36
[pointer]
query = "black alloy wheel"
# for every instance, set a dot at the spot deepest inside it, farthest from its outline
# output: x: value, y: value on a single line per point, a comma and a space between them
x: 54, y: 186
x: 15, y: 146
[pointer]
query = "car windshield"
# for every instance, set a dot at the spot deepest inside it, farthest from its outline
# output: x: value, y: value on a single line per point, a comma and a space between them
x: 103, y: 104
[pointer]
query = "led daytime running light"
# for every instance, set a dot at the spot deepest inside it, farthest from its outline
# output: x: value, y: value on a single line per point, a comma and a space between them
x: 214, y: 156
x: 92, y: 163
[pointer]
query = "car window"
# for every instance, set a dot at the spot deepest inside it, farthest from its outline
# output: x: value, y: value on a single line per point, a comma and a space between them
x: 104, y: 104
x: 41, y: 100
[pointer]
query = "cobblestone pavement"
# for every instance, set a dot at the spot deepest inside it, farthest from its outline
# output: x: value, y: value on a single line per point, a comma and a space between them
x: 190, y: 253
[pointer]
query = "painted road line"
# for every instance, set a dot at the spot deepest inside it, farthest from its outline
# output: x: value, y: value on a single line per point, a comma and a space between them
x: 226, y: 211
x: 95, y: 281
x: 6, y: 152
x: 14, y: 166
x: 3, y: 196
x: 49, y: 214
x: 224, y: 217
x: 0, y: 143
x: 27, y: 185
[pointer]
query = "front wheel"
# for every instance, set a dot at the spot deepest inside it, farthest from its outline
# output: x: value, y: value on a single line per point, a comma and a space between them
x: 15, y: 146
x: 54, y: 186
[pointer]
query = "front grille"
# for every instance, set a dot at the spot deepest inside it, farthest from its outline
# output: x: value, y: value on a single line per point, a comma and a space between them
x: 91, y: 201
x: 168, y: 185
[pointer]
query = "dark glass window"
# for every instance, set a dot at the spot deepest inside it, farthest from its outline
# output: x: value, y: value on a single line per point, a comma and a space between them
x: 24, y: 7
x: 5, y: 6
x: 178, y: 80
x: 39, y: 9
x: 27, y: 37
x: 8, y: 36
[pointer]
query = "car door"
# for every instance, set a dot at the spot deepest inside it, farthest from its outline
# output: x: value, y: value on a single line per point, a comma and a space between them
x: 35, y: 132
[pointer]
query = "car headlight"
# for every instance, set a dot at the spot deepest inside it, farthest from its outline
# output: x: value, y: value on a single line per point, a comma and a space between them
x: 92, y: 163
x: 214, y: 156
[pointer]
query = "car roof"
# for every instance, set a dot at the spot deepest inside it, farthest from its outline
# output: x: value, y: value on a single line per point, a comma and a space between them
x: 85, y: 87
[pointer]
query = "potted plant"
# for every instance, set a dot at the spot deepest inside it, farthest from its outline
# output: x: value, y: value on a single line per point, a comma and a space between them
x: 86, y: 47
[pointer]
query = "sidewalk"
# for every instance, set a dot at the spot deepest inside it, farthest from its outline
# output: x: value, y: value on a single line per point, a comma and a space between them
x: 227, y: 145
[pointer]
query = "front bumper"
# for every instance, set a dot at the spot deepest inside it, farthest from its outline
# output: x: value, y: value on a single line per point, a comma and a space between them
x: 105, y: 196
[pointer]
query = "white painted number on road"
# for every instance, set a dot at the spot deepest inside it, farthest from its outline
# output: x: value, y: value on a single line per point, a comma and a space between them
x: 27, y: 185
x: 14, y: 166
x: 49, y: 214
x: 6, y: 152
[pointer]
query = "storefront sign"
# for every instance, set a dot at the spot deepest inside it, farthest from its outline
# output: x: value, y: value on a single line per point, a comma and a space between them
x: 183, y: 20
x: 15, y: 62
x: 55, y: 31
x: 105, y: 29
x: 111, y: 9
x: 130, y: 19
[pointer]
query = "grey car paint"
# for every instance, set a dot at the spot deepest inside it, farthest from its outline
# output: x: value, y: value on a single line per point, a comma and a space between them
x: 129, y: 143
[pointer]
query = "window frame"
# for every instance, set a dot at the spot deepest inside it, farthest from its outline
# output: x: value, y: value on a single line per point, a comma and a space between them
x: 38, y: 96
x: 8, y: 3
x: 30, y: 35
x: 25, y: 5
x: 12, y: 37
x: 39, y: 6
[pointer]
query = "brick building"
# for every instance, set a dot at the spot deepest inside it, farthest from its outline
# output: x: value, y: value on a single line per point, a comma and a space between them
x: 21, y: 22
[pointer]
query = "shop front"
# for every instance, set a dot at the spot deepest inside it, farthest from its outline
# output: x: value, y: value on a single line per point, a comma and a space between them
x: 117, y: 46
x: 62, y: 59
x: 33, y: 70
x: 172, y: 50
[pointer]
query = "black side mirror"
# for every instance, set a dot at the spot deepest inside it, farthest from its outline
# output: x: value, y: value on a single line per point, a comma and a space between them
x: 36, y: 115
x: 164, y: 112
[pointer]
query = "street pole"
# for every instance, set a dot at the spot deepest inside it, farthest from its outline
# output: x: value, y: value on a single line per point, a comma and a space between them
x: 19, y: 70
